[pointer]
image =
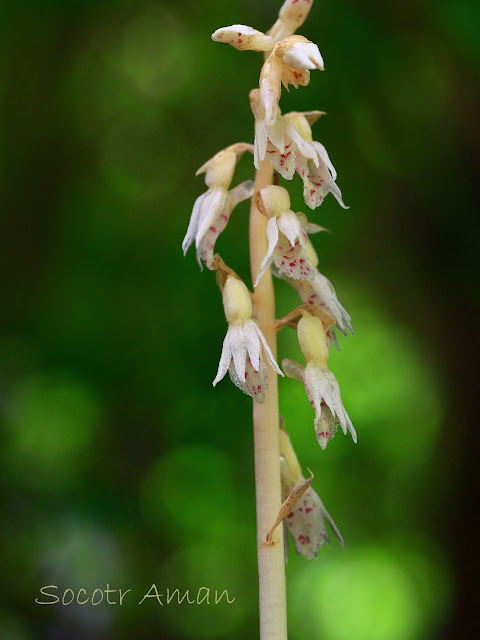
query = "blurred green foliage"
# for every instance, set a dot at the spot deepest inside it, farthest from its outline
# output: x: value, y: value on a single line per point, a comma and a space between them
x: 120, y: 463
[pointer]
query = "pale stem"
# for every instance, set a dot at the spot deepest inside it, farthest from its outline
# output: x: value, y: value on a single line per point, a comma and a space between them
x: 271, y: 564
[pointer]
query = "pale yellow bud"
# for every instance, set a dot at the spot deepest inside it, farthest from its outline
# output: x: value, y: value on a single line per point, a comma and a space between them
x: 236, y: 301
x: 220, y: 170
x: 300, y: 122
x: 276, y: 200
x: 312, y: 339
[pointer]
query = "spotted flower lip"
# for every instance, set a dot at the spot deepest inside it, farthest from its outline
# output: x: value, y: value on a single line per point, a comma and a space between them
x: 213, y: 208
x: 244, y: 344
x: 306, y: 519
x: 286, y: 236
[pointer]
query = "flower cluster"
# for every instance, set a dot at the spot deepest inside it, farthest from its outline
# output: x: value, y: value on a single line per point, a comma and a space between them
x: 285, y: 143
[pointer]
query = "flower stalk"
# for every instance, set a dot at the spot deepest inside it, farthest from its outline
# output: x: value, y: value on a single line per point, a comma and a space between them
x: 271, y: 566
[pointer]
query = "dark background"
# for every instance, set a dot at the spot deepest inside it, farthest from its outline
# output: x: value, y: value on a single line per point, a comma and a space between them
x: 120, y: 463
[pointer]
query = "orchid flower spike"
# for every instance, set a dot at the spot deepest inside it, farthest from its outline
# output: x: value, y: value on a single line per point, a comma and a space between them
x: 318, y: 173
x: 305, y: 520
x: 244, y: 346
x: 320, y: 384
x: 320, y: 293
x: 286, y: 236
x: 212, y: 209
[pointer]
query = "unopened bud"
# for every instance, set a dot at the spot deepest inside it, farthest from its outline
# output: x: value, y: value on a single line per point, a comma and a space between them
x: 312, y: 339
x: 276, y: 200
x: 236, y: 301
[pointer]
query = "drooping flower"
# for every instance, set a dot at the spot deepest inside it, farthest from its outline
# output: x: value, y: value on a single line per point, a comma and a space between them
x: 320, y: 292
x: 286, y: 236
x: 320, y: 383
x: 318, y: 173
x: 244, y: 345
x: 212, y: 209
x: 305, y: 520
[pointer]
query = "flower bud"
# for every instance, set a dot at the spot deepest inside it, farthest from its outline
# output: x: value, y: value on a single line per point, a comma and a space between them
x: 236, y: 301
x: 220, y: 172
x: 312, y: 339
x: 276, y: 200
x: 299, y: 121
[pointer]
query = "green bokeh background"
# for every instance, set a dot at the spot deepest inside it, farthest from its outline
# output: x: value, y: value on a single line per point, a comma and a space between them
x: 120, y: 464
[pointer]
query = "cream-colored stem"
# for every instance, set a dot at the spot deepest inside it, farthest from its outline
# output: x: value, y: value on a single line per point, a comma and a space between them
x: 271, y: 566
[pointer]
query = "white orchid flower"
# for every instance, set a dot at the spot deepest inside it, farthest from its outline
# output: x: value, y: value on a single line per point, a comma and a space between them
x: 305, y: 519
x: 212, y: 209
x: 286, y: 235
x: 318, y: 173
x: 320, y: 383
x: 244, y: 345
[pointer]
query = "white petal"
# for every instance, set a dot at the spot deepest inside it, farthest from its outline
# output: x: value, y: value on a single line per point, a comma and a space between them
x: 277, y: 133
x: 290, y: 226
x: 306, y: 149
x: 315, y: 387
x: 322, y: 152
x: 211, y: 208
x: 243, y: 38
x: 252, y: 343
x: 238, y: 349
x: 334, y: 188
x: 225, y: 359
x: 260, y: 142
x: 193, y: 224
x: 206, y: 246
x: 303, y: 55
x: 268, y: 352
x: 272, y: 235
